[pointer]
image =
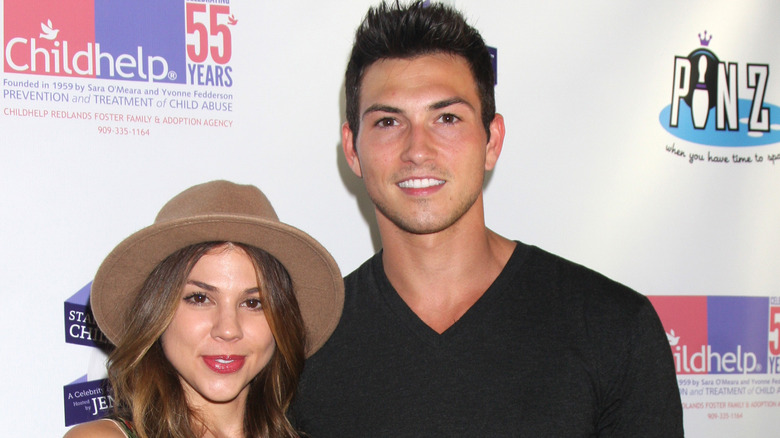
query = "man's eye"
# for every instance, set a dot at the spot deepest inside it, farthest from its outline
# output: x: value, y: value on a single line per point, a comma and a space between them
x: 449, y: 118
x: 386, y: 122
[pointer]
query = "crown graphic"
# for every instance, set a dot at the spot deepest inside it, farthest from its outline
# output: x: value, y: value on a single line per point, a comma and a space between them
x: 705, y: 41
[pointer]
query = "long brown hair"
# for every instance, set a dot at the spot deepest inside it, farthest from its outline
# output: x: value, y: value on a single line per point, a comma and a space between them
x: 146, y: 387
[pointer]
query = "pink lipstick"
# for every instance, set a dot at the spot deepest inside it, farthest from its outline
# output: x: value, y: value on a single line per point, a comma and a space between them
x: 224, y: 364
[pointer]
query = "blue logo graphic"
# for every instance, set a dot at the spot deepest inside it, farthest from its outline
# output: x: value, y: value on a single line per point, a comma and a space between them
x: 711, y: 136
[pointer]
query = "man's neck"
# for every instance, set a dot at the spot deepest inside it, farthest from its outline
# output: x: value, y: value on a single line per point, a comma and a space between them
x: 441, y: 275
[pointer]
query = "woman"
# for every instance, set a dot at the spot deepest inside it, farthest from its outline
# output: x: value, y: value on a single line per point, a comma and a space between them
x: 212, y: 310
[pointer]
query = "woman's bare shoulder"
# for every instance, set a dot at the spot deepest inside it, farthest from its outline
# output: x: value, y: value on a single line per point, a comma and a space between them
x: 96, y: 429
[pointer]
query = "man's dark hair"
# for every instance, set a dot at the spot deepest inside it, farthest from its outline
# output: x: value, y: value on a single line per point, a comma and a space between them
x: 403, y: 32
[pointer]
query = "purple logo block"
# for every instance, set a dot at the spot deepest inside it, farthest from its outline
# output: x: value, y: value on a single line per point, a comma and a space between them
x: 80, y: 326
x: 86, y: 401
x: 149, y: 33
x: 494, y: 60
x: 738, y: 330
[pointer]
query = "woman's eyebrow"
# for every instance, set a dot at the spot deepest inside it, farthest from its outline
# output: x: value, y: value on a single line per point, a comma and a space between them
x: 210, y: 288
x: 202, y: 285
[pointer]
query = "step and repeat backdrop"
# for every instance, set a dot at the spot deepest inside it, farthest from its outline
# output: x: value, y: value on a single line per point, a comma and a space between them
x: 643, y: 140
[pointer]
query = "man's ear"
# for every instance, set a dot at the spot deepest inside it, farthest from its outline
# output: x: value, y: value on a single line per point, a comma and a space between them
x: 496, y: 142
x: 350, y: 152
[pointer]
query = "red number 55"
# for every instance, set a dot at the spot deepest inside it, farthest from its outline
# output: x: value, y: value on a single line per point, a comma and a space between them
x: 774, y: 330
x: 200, y: 51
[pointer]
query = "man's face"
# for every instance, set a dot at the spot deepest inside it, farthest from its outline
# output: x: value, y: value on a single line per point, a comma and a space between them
x: 422, y: 149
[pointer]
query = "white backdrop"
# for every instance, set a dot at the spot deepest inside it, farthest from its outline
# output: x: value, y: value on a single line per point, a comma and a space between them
x: 585, y: 172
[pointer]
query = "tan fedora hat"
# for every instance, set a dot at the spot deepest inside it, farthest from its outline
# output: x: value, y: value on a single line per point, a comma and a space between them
x: 220, y: 211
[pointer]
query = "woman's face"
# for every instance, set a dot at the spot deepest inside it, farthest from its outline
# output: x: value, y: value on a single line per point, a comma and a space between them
x: 219, y: 339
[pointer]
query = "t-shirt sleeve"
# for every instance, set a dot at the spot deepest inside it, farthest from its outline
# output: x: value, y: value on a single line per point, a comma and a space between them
x: 642, y: 397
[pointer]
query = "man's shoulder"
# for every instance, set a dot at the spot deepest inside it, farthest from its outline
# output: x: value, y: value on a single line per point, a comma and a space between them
x: 573, y: 281
x: 361, y: 304
x: 365, y: 270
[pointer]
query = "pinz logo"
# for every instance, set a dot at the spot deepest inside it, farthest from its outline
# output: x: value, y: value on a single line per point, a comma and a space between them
x: 141, y: 40
x: 717, y: 335
x: 719, y: 103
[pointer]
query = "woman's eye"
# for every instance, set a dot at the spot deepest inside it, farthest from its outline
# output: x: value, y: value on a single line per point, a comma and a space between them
x: 197, y: 298
x: 254, y: 304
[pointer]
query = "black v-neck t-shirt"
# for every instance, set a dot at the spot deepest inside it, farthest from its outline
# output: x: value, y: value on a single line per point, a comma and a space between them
x: 551, y: 349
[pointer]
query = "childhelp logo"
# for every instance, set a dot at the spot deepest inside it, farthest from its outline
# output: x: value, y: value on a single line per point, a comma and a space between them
x: 712, y: 105
x: 139, y: 40
x: 722, y: 335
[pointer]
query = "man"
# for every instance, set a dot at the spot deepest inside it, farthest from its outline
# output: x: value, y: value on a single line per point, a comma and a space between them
x: 452, y: 330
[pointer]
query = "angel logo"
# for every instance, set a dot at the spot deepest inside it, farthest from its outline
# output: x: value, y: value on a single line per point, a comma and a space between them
x: 673, y: 340
x: 48, y: 32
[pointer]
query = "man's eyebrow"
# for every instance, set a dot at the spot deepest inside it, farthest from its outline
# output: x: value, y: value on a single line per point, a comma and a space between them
x: 448, y: 102
x: 377, y: 107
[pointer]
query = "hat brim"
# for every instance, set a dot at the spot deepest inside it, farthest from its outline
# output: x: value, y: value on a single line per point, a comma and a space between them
x: 317, y: 281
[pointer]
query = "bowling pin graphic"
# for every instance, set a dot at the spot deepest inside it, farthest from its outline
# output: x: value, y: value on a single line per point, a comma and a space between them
x: 700, y: 103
